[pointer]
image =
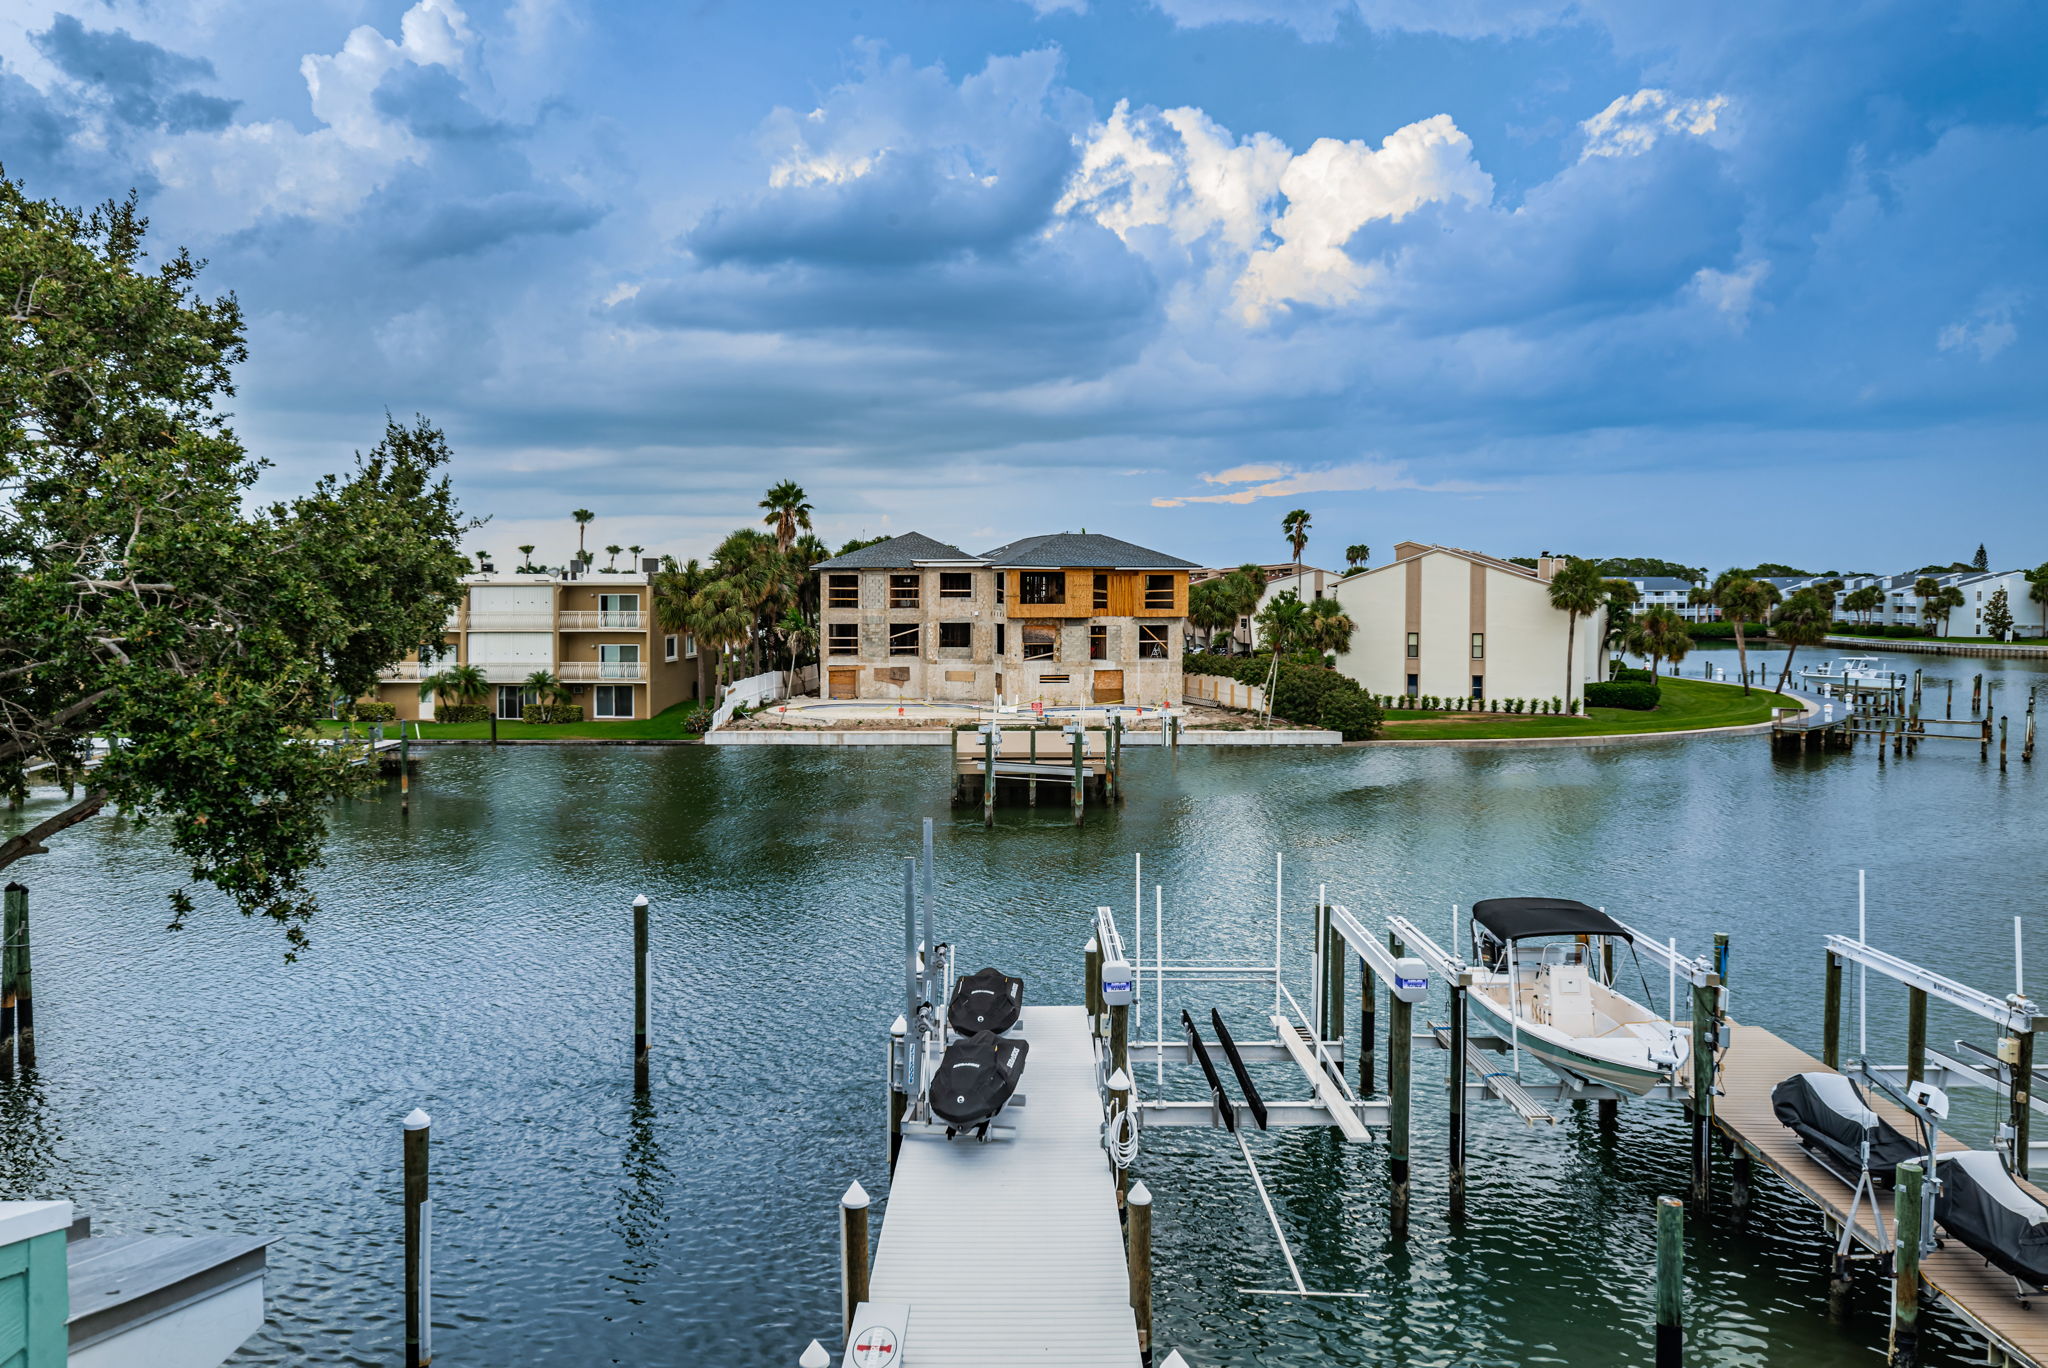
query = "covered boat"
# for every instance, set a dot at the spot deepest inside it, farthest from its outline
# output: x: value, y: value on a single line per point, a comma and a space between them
x: 1985, y: 1208
x: 976, y: 1079
x: 988, y: 1000
x: 1830, y: 1116
x: 1553, y: 998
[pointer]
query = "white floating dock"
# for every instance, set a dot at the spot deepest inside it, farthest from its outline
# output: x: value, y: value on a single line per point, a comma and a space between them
x: 1009, y: 1253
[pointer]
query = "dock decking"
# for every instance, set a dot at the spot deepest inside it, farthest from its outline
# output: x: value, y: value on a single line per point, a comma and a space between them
x: 1039, y: 1208
x: 1758, y: 1061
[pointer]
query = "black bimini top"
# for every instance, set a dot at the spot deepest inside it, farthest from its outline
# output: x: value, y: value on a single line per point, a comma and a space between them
x: 1507, y: 919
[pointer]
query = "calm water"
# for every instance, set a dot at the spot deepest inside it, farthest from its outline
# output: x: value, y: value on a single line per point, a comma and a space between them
x: 474, y: 960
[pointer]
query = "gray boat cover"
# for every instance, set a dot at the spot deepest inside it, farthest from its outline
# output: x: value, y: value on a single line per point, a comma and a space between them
x: 1828, y: 1112
x: 1983, y: 1206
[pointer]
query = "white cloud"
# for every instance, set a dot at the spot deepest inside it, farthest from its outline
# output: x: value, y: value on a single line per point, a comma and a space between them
x: 1732, y: 293
x: 1045, y: 7
x: 1988, y: 331
x: 1280, y: 481
x: 1316, y: 20
x: 1633, y: 124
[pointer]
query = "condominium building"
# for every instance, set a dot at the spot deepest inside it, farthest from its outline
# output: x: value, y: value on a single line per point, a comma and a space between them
x: 1067, y: 618
x: 594, y: 631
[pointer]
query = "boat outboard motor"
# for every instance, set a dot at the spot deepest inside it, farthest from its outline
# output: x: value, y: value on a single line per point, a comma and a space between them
x: 1985, y: 1208
x: 975, y: 1080
x: 1832, y: 1119
x: 986, y: 1001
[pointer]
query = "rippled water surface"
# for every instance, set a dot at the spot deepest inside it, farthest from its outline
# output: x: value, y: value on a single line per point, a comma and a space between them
x: 474, y: 959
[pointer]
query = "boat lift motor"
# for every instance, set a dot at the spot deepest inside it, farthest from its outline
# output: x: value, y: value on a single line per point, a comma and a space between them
x: 1119, y: 985
x: 1411, y: 979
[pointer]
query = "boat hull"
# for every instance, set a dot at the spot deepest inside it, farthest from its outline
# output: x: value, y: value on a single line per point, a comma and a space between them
x: 1561, y: 1057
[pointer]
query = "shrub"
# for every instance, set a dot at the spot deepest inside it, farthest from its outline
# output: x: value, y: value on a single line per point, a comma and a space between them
x: 1724, y: 631
x: 1625, y: 673
x: 1351, y: 712
x: 462, y: 712
x: 1636, y: 695
x: 376, y: 712
x: 547, y: 714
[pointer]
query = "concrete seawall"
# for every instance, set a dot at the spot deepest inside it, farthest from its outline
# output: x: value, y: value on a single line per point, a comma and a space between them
x: 935, y: 736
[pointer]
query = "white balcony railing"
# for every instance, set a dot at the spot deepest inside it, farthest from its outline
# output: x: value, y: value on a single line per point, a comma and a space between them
x: 511, y: 671
x: 406, y: 671
x: 512, y: 621
x: 603, y: 620
x: 581, y: 671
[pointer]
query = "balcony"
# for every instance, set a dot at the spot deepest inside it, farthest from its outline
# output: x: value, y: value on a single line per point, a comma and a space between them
x: 584, y: 671
x: 603, y: 620
x: 510, y: 671
x: 406, y: 672
x: 517, y: 621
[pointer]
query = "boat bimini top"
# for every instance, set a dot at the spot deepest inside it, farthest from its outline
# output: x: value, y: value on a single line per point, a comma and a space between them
x: 1500, y: 920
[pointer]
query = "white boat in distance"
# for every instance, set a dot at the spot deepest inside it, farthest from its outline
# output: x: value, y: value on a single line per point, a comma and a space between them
x: 1855, y: 672
x: 1553, y: 998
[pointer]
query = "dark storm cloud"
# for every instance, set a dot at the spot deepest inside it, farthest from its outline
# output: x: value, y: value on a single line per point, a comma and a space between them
x: 142, y: 82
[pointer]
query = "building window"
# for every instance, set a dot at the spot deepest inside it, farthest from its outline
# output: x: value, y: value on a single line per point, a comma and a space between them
x: 512, y: 701
x: 620, y: 660
x: 1414, y: 686
x: 671, y: 647
x: 1054, y: 679
x: 618, y: 610
x: 903, y: 591
x: 902, y: 638
x: 999, y: 634
x: 1479, y: 686
x: 842, y: 591
x: 1152, y: 641
x: 1414, y: 645
x: 956, y: 584
x: 959, y: 634
x: 1098, y: 643
x: 689, y: 646
x: 612, y: 700
x: 1102, y: 593
x: 1042, y: 586
x: 1002, y: 585
x: 843, y: 638
x: 1038, y: 640
x: 1478, y: 648
x: 1159, y: 591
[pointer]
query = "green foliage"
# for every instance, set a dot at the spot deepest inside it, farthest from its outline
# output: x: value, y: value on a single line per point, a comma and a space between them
x: 1638, y: 694
x: 1724, y: 631
x: 1648, y: 567
x: 1301, y: 692
x: 1881, y: 629
x: 1771, y: 569
x: 1351, y: 712
x: 1952, y: 568
x: 143, y: 597
x: 1998, y: 612
x: 461, y: 712
x: 372, y: 711
x: 549, y: 713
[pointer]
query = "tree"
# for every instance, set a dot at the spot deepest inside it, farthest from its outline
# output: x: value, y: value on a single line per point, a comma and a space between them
x: 2037, y: 591
x: 1774, y: 570
x: 1742, y: 600
x: 1577, y: 591
x: 526, y: 566
x: 547, y: 690
x: 1212, y: 607
x: 1927, y: 589
x: 1863, y: 601
x: 1937, y: 605
x: 1295, y: 528
x: 145, y: 601
x: 611, y: 558
x: 635, y: 551
x: 1657, y: 633
x: 799, y: 637
x: 724, y: 620
x: 1356, y: 556
x: 1998, y: 614
x: 1801, y: 620
x: 678, y: 592
x: 1648, y: 567
x: 458, y: 683
x: 1326, y: 628
x: 1980, y: 561
x: 583, y: 517
x: 1621, y: 598
x: 787, y: 511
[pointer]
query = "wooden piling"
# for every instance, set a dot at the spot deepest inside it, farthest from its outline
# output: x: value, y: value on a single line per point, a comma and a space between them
x: 1333, y: 988
x: 1831, y: 1015
x: 1120, y: 1038
x: 1138, y: 1238
x: 1977, y: 693
x: 2001, y: 744
x: 1457, y: 1108
x: 419, y: 1243
x: 24, y: 985
x: 1705, y: 1036
x: 899, y: 1096
x: 988, y: 777
x: 1916, y: 1034
x: 1984, y: 740
x: 2022, y: 1089
x: 1670, y: 1282
x: 16, y: 904
x: 1905, y: 1336
x: 853, y: 1254
x: 1400, y: 1043
x: 1948, y: 709
x: 2027, y: 746
x: 1368, y: 1020
x: 1112, y: 759
x: 1031, y: 784
x: 1091, y: 959
x: 1081, y: 774
x: 640, y: 1062
x: 1740, y: 1181
x: 1119, y: 1088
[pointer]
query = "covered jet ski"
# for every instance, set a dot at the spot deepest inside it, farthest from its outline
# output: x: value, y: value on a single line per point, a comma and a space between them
x: 976, y: 1078
x: 986, y: 1001
x: 1831, y: 1118
x: 1985, y: 1208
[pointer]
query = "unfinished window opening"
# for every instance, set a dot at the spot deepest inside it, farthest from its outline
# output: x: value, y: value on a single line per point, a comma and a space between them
x: 1039, y: 638
x: 956, y: 634
x: 1054, y: 679
x: 1414, y: 645
x: 843, y: 639
x: 842, y: 591
x: 999, y: 638
x: 903, y: 591
x: 1478, y: 648
x: 1042, y: 586
x: 1159, y: 591
x: 1102, y: 593
x: 956, y: 584
x: 1002, y: 583
x: 902, y: 638
x: 1098, y: 643
x: 1152, y: 641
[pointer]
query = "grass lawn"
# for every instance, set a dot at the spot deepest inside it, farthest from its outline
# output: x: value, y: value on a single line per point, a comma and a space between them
x: 1968, y: 641
x: 1688, y: 704
x: 675, y: 723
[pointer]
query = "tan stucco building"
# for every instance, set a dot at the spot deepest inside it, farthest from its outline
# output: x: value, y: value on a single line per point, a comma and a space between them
x: 1062, y: 619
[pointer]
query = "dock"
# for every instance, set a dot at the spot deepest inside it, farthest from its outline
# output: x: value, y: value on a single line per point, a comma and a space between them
x: 1000, y: 762
x: 1058, y: 1291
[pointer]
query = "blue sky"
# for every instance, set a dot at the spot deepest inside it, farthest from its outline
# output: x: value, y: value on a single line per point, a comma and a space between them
x: 1719, y: 283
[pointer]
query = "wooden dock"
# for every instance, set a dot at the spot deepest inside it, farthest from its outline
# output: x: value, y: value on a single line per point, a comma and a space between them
x: 1757, y: 1061
x: 1080, y: 764
x: 1041, y: 1207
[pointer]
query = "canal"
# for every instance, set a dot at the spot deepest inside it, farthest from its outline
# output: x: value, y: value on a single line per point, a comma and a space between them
x: 474, y: 959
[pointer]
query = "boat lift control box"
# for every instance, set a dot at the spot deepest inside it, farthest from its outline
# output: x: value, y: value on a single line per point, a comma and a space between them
x: 1118, y: 986
x: 1411, y: 979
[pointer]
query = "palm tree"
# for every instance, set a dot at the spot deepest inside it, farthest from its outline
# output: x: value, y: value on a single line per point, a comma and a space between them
x: 635, y: 551
x: 583, y: 517
x: 1861, y: 601
x: 799, y: 636
x: 483, y: 559
x: 1947, y: 599
x: 1742, y: 600
x: 1656, y: 633
x: 1295, y: 528
x: 611, y: 558
x: 677, y: 592
x: 1578, y: 590
x: 1356, y: 556
x: 1282, y: 622
x: 725, y: 618
x: 1801, y: 620
x: 787, y: 511
x: 526, y: 559
x: 1621, y: 614
x: 1326, y: 628
x: 461, y: 684
x: 1210, y: 609
x: 1927, y: 589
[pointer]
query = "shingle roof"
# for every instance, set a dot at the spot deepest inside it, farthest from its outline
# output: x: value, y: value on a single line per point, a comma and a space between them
x: 1058, y: 549
x: 897, y: 553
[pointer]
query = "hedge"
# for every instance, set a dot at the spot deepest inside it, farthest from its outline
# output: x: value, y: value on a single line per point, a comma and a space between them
x: 1724, y: 631
x: 1308, y: 694
x: 1881, y: 629
x: 1624, y: 674
x: 376, y: 712
x: 462, y: 712
x: 1634, y: 694
x: 542, y: 714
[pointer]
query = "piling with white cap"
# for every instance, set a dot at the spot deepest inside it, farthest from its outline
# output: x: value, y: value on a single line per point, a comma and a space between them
x: 899, y: 1093
x: 815, y: 1357
x: 1138, y: 1233
x: 853, y: 1253
x: 1119, y: 1087
x: 419, y: 1243
x: 640, y: 992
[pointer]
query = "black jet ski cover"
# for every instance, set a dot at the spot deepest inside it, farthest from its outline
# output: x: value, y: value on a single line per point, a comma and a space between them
x: 987, y: 1001
x: 976, y: 1077
x: 1829, y: 1114
x: 1980, y: 1204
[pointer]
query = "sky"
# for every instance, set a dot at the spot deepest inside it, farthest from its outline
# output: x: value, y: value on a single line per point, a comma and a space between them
x: 1717, y: 283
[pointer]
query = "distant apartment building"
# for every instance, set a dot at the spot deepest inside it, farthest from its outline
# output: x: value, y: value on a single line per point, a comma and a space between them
x: 1667, y: 591
x: 1306, y: 582
x: 1902, y: 605
x: 593, y: 630
x: 1067, y: 618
